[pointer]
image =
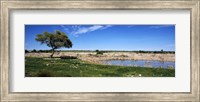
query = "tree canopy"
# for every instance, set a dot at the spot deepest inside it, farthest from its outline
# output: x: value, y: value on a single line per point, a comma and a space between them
x: 54, y: 40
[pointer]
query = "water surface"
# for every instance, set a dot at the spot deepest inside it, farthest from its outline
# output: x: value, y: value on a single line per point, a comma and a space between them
x: 141, y: 63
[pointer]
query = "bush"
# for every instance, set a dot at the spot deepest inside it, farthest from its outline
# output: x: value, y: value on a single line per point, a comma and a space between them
x: 68, y: 57
x: 26, y: 51
x: 44, y: 51
x: 33, y: 50
x: 99, y: 52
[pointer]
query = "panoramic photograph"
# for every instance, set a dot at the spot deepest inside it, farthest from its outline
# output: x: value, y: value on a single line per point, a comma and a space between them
x: 94, y: 50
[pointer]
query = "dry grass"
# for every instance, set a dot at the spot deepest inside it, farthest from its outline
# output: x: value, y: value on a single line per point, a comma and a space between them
x: 93, y: 58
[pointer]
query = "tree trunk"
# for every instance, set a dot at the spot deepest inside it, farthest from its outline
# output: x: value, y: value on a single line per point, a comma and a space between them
x: 52, y: 53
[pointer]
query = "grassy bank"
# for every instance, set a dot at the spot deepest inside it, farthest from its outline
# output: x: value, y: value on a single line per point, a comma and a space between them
x: 41, y: 67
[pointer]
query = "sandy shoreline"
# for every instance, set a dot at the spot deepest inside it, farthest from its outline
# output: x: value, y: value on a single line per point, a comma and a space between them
x: 93, y: 58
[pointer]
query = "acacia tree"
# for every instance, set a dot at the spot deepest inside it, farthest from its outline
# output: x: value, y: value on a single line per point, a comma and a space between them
x: 54, y: 40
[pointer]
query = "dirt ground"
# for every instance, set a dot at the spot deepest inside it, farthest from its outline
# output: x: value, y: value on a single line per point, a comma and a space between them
x: 92, y: 57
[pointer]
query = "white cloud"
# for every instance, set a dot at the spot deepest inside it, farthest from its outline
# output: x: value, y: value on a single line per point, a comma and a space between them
x: 65, y: 28
x: 79, y: 29
x: 130, y: 26
x: 82, y: 30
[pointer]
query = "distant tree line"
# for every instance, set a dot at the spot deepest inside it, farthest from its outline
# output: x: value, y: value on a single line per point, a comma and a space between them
x: 37, y: 51
x: 155, y: 52
x: 139, y: 51
x: 100, y: 52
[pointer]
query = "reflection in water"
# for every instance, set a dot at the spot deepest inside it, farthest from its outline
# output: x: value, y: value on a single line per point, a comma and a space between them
x: 141, y: 63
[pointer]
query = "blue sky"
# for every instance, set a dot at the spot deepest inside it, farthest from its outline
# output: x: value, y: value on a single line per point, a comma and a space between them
x: 107, y: 37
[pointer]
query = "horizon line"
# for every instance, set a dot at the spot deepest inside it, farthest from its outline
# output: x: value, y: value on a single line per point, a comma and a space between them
x: 103, y: 50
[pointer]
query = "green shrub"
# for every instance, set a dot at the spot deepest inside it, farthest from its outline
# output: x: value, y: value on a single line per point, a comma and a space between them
x: 26, y: 51
x: 68, y: 57
x: 34, y: 50
x: 99, y: 52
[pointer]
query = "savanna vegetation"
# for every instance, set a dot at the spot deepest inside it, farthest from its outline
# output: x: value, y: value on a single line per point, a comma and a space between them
x: 72, y: 67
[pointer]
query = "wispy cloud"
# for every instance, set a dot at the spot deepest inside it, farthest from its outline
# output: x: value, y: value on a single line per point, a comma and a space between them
x: 130, y: 26
x: 65, y: 28
x: 77, y: 30
x: 160, y: 26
